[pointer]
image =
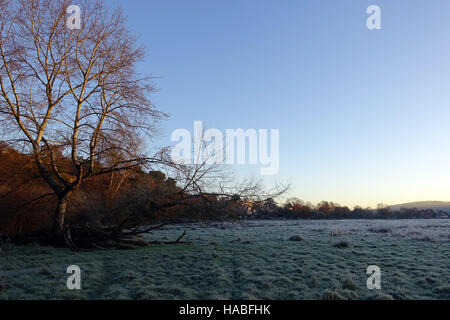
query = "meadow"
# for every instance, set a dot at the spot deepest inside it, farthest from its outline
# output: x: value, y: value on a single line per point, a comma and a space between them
x: 251, y: 260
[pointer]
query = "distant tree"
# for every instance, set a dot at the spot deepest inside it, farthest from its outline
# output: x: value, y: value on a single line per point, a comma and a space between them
x: 294, y: 207
x: 157, y: 176
x: 383, y: 211
x: 326, y: 208
x: 270, y: 204
x: 341, y: 212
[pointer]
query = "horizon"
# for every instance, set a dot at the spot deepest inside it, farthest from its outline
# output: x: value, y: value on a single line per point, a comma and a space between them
x: 385, y: 204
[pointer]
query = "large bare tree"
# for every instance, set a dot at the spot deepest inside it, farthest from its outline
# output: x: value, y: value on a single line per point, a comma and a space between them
x: 72, y: 94
x: 74, y: 100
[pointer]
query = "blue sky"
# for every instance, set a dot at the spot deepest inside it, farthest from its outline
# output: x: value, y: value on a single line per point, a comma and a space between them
x: 363, y: 115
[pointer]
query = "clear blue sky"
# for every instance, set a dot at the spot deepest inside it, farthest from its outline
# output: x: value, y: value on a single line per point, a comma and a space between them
x: 364, y: 116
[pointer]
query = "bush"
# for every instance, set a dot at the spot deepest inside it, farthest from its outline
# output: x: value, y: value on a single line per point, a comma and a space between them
x: 342, y: 244
x: 296, y: 238
x: 380, y: 230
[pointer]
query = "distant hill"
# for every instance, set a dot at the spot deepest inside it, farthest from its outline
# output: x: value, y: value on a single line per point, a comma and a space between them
x: 434, y: 205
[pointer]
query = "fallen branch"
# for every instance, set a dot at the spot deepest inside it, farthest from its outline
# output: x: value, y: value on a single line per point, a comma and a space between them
x: 178, y: 241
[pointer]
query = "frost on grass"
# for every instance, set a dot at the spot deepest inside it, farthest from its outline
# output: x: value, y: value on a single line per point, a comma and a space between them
x: 412, y: 255
x: 380, y: 229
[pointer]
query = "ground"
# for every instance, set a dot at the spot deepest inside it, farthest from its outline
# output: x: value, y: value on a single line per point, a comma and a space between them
x: 251, y: 261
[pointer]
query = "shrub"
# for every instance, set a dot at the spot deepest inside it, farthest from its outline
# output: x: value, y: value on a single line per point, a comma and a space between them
x: 349, y: 284
x: 296, y: 238
x: 342, y: 244
x: 380, y: 230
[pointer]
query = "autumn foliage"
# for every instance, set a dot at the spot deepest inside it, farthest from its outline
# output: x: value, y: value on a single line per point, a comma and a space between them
x: 27, y: 203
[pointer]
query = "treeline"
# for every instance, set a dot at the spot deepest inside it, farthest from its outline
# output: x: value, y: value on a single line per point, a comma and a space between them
x: 136, y: 197
x: 139, y: 198
x: 298, y: 209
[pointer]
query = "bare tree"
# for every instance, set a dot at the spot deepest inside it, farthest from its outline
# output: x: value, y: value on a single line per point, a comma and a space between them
x: 213, y: 185
x: 74, y: 100
x: 73, y: 95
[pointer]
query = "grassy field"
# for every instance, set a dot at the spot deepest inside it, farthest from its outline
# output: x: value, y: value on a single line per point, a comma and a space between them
x: 254, y: 261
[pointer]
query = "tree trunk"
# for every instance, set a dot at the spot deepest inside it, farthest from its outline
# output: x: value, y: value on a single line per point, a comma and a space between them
x: 60, y: 214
